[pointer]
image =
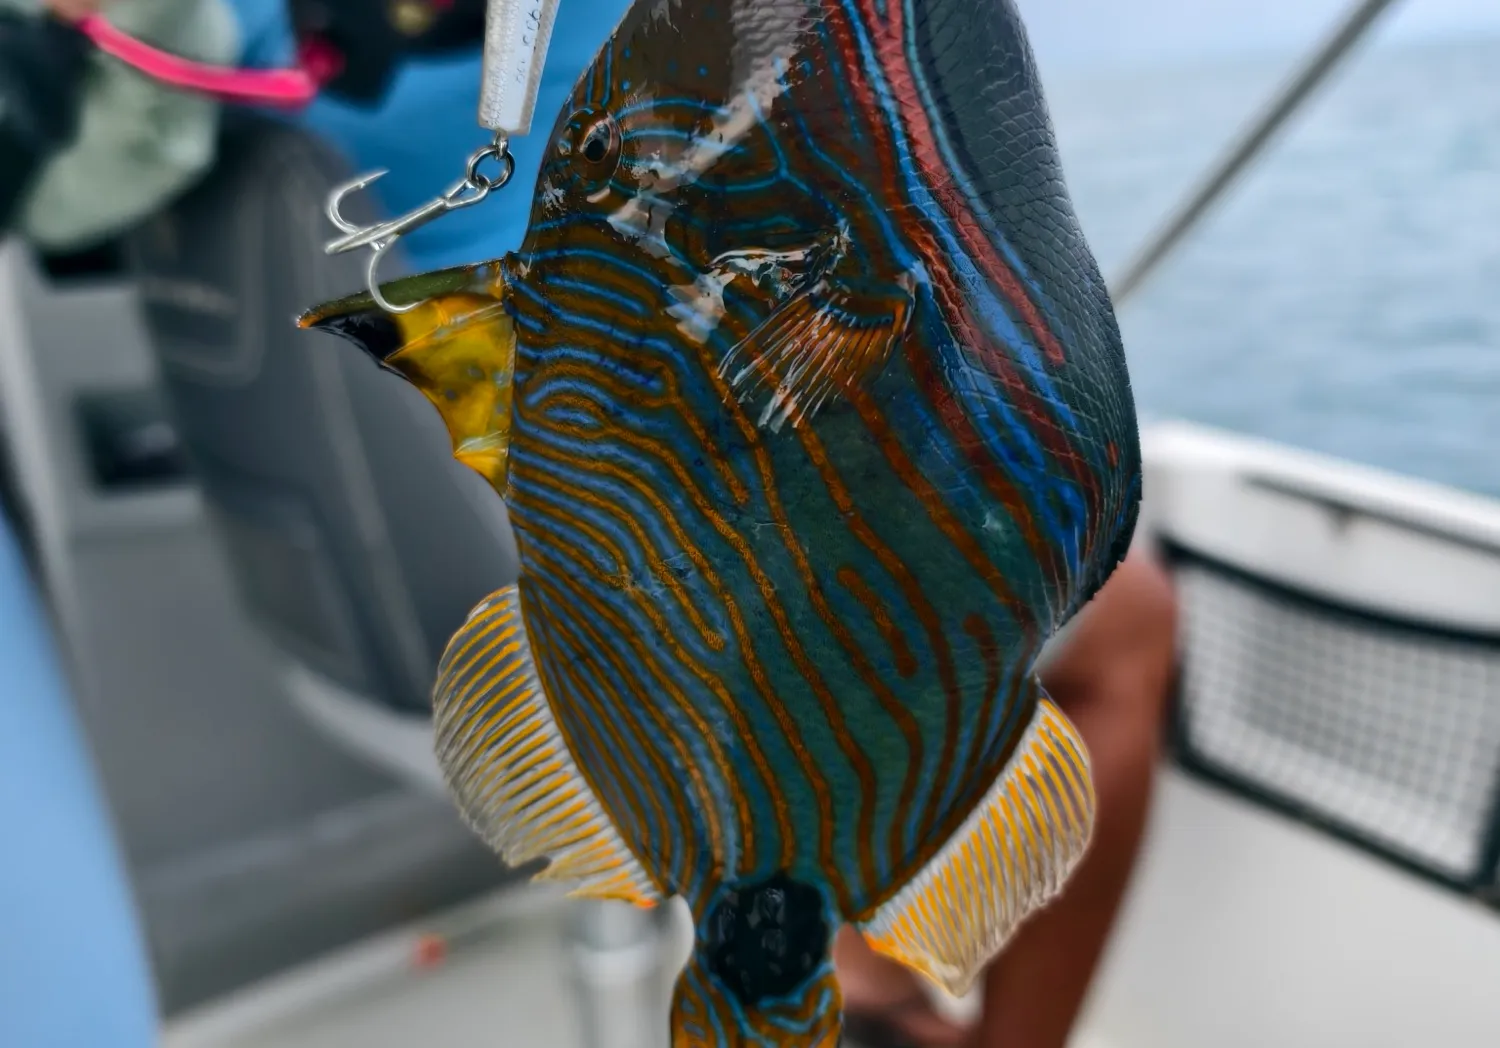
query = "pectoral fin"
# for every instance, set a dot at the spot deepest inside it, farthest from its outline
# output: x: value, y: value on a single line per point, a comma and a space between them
x: 510, y: 769
x: 1011, y: 856
x: 458, y: 346
x: 825, y: 340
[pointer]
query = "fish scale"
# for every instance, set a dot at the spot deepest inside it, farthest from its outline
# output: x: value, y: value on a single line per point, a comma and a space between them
x: 811, y: 413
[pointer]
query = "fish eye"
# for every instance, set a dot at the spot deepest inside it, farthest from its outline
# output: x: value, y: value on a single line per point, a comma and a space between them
x: 591, y: 141
x: 596, y: 144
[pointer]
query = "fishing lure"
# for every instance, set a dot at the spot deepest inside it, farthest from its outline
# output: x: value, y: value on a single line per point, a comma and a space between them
x: 810, y: 410
x: 516, y: 36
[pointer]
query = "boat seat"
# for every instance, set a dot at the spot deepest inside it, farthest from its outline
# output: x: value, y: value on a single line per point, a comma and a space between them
x: 358, y: 543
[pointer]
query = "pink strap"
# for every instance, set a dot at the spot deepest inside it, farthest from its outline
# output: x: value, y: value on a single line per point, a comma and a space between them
x: 289, y: 88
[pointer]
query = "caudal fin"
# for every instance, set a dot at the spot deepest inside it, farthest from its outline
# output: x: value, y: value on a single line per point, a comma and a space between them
x: 761, y: 972
x: 707, y: 1014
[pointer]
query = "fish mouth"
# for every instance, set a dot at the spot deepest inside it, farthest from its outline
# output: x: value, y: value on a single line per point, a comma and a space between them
x: 378, y: 333
x: 360, y: 319
x: 456, y: 343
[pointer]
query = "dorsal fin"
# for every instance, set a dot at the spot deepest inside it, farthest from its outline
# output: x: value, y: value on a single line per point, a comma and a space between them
x: 509, y: 767
x: 1012, y: 855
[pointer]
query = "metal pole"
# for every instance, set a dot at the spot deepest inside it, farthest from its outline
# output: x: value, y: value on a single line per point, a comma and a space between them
x: 1355, y: 25
x: 616, y: 960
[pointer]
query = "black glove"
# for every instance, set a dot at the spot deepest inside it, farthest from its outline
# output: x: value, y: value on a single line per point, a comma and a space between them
x: 372, y: 37
x: 42, y: 69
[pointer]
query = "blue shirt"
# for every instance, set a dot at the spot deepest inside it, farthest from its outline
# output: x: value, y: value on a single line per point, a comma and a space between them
x: 426, y: 127
x: 74, y: 968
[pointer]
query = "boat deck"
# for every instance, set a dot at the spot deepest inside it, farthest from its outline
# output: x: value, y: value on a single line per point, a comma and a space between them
x: 1241, y: 930
x: 492, y: 974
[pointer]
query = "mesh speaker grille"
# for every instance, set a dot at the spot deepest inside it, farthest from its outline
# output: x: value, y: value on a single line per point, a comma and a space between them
x: 1384, y: 731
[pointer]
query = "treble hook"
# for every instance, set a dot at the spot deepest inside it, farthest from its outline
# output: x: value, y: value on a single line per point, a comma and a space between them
x: 379, y: 237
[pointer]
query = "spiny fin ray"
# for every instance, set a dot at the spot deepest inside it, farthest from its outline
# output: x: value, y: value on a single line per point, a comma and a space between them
x: 509, y: 768
x: 1010, y: 857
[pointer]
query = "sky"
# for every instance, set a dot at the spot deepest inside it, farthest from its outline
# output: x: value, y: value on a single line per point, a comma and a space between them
x: 1084, y: 33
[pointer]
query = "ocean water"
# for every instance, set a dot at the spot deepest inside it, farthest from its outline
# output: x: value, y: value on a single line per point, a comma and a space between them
x: 1345, y: 297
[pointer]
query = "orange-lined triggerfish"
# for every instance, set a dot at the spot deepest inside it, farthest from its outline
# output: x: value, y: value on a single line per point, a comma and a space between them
x: 810, y: 410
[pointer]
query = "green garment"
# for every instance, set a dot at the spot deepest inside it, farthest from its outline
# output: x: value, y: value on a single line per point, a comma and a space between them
x: 139, y: 143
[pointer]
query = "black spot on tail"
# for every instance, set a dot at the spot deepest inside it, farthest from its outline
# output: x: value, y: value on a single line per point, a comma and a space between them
x: 764, y: 941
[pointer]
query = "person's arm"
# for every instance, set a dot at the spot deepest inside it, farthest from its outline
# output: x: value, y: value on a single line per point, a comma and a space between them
x: 42, y: 64
x: 152, y: 140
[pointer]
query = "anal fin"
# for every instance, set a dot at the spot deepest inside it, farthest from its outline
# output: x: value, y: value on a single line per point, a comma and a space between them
x: 824, y: 340
x: 1010, y: 857
x: 509, y: 768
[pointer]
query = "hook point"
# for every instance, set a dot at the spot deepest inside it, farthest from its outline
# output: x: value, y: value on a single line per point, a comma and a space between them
x: 343, y: 191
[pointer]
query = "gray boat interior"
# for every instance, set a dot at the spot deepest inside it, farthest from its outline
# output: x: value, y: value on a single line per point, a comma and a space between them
x: 231, y: 517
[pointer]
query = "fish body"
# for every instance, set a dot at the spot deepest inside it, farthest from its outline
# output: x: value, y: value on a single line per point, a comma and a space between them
x: 810, y: 411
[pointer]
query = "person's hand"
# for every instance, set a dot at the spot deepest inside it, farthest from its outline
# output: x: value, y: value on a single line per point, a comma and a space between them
x: 73, y: 10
